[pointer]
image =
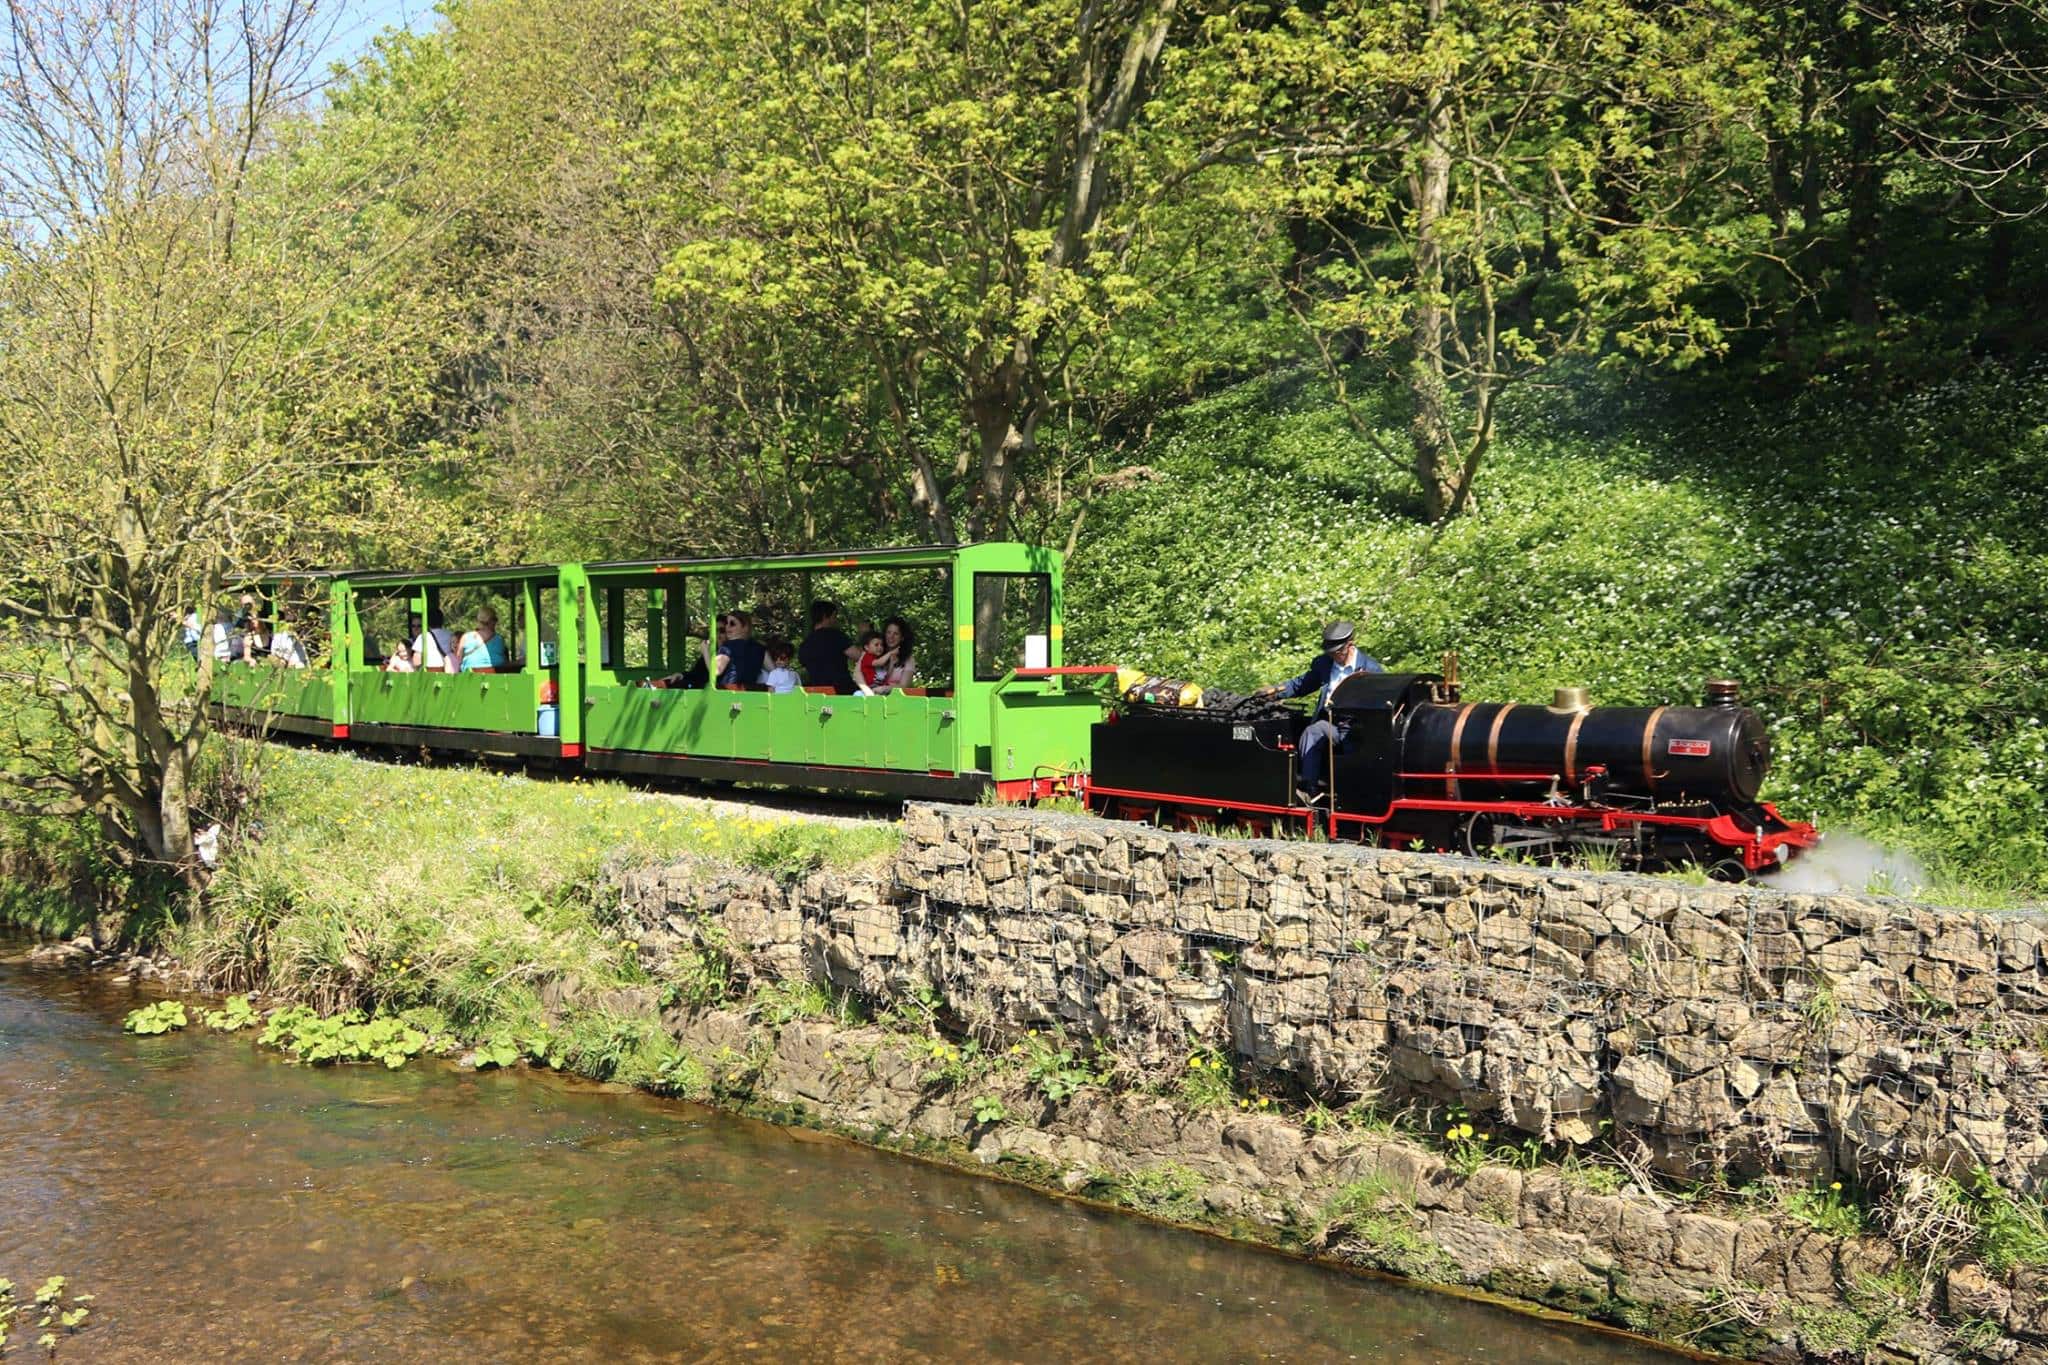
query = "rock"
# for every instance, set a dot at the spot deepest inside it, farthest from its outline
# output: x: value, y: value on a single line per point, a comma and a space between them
x: 1703, y: 1243
x: 76, y: 953
x: 1642, y: 1085
x: 1273, y: 1144
x: 1972, y: 1293
x: 2030, y: 1302
x: 1476, y: 1246
x: 1494, y: 1192
x: 1809, y: 1266
x: 1641, y: 1233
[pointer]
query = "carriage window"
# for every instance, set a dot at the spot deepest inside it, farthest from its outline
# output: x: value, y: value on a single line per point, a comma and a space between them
x: 1012, y: 623
x: 385, y: 618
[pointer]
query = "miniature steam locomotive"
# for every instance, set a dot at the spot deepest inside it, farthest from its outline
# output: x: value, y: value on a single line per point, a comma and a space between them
x: 1644, y: 788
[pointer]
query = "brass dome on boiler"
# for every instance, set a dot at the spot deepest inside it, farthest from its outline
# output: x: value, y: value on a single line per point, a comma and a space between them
x: 1570, y: 700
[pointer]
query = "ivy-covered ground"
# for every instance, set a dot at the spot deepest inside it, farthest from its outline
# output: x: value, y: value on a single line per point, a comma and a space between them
x: 1884, y: 602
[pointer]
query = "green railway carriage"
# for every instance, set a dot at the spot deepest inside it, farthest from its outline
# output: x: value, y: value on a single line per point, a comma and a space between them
x: 996, y: 705
x: 298, y: 700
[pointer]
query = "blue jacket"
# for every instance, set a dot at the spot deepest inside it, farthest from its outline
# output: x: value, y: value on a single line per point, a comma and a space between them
x: 1317, y: 676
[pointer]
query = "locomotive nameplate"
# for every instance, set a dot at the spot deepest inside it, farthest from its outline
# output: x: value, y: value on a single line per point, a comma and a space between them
x: 1691, y: 748
x: 1243, y: 732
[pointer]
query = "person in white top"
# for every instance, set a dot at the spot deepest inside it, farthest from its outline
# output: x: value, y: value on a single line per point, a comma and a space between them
x: 779, y: 676
x: 191, y: 634
x: 285, y: 649
x: 433, y: 651
x: 223, y: 651
x: 400, y: 660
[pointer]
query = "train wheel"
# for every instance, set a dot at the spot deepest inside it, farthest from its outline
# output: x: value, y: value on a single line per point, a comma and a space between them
x: 1728, y: 870
x: 1488, y: 836
x: 1477, y: 836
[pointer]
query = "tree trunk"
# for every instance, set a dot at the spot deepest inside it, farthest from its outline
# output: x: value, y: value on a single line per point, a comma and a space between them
x: 1430, y: 422
x: 1116, y: 56
x: 1863, y: 263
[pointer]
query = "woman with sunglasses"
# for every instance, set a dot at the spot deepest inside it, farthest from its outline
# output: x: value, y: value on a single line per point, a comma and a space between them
x: 740, y: 656
x: 1341, y: 657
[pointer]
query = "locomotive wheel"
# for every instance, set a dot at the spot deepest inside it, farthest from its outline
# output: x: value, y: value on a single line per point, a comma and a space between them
x: 1728, y: 870
x: 1488, y: 836
x: 1476, y: 836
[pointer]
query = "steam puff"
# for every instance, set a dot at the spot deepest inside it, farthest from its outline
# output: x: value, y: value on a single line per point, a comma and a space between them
x: 1849, y: 862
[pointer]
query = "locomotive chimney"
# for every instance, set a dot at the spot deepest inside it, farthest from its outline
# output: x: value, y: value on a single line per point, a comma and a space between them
x: 1723, y: 692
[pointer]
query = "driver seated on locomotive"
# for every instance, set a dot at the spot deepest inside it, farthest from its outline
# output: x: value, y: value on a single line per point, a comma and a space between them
x: 1341, y: 657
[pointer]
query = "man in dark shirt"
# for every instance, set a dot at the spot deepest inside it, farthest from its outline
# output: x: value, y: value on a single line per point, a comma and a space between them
x: 826, y: 650
x: 1341, y: 657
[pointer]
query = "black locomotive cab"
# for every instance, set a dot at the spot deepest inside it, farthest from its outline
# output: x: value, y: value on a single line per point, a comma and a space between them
x: 1375, y: 710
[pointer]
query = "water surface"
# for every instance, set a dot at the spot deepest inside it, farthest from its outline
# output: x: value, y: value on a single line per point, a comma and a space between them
x: 225, y: 1205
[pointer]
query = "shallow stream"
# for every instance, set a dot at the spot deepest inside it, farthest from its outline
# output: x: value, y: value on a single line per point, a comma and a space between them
x: 223, y: 1204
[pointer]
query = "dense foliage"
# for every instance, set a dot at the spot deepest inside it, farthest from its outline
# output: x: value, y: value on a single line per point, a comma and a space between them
x: 1883, y: 605
x: 1604, y: 342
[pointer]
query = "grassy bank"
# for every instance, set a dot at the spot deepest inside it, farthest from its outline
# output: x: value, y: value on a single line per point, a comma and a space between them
x: 464, y: 892
x: 469, y: 900
x: 1884, y: 602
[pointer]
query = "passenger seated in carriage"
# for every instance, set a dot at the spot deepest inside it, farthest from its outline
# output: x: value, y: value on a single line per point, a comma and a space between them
x: 285, y: 649
x: 482, y: 650
x: 780, y: 675
x: 740, y: 657
x: 827, y: 653
x: 433, y: 651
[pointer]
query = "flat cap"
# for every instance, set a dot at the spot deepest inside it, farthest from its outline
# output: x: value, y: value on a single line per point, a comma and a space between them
x: 1337, y: 632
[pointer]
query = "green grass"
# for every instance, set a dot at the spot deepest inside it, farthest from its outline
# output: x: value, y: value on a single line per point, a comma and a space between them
x: 1831, y: 1209
x: 1166, y: 1190
x: 1374, y: 1217
x: 367, y: 885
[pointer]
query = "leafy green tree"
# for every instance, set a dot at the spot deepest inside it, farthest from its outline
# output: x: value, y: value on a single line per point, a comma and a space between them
x: 186, y: 392
x: 949, y: 203
x: 1476, y: 188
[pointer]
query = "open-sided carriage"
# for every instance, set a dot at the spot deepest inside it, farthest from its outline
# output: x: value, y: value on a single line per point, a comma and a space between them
x: 995, y: 706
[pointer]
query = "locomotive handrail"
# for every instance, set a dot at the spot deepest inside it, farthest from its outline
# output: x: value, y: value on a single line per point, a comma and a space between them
x: 1067, y: 671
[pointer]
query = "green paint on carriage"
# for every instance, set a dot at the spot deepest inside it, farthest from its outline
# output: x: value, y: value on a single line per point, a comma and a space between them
x: 1001, y: 719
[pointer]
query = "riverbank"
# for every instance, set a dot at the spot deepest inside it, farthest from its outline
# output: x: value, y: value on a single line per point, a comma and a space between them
x: 217, y: 1203
x: 1724, y: 1118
